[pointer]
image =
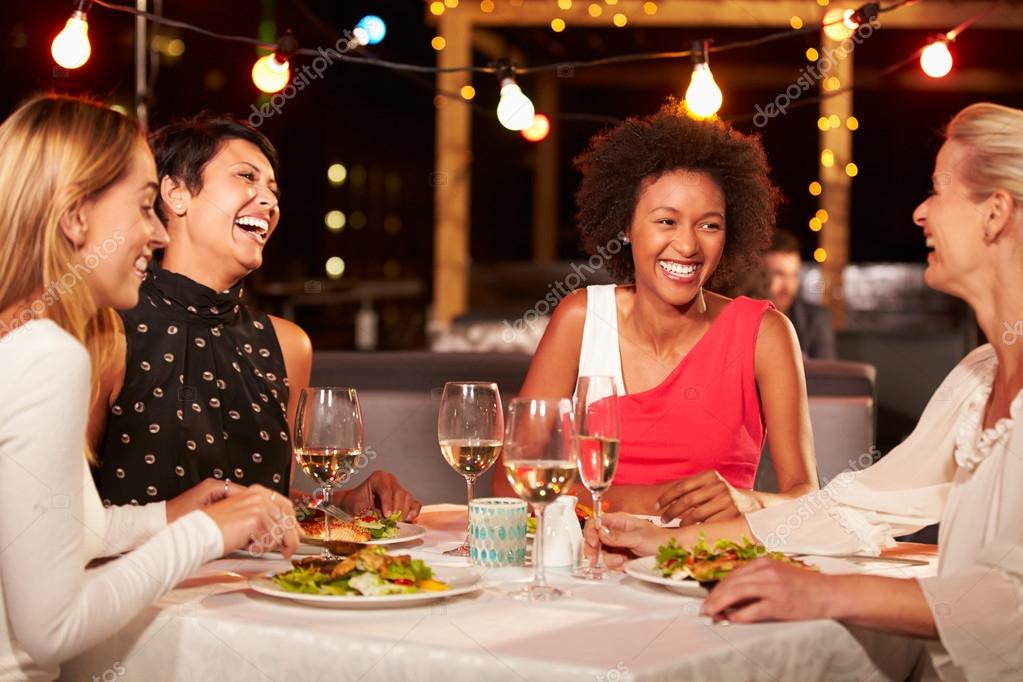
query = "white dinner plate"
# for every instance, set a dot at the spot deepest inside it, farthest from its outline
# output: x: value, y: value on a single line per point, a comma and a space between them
x: 406, y: 533
x: 643, y: 569
x: 460, y: 581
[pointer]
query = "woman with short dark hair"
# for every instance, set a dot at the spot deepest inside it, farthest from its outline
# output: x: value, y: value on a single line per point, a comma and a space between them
x: 200, y: 385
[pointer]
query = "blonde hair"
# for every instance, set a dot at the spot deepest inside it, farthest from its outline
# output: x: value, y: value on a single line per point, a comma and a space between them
x: 993, y: 137
x: 55, y: 153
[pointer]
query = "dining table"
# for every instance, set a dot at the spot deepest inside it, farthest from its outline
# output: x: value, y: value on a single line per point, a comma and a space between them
x: 214, y: 626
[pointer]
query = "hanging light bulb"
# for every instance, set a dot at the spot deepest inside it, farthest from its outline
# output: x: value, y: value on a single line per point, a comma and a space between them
x: 272, y: 72
x: 703, y: 96
x: 515, y: 111
x: 71, y: 47
x: 936, y: 58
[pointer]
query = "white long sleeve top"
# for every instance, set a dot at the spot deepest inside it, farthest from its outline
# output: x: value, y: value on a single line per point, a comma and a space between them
x: 950, y: 469
x: 52, y: 523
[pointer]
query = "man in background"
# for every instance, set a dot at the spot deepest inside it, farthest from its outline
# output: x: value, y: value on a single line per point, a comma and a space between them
x: 812, y: 322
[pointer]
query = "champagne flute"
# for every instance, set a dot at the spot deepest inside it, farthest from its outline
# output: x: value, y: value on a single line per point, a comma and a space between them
x: 328, y: 440
x: 540, y: 462
x: 598, y: 425
x: 469, y: 428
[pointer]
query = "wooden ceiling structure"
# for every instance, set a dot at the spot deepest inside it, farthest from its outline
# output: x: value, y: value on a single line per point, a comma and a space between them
x: 469, y: 27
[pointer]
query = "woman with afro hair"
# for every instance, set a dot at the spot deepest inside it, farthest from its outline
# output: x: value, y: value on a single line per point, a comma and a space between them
x: 676, y: 208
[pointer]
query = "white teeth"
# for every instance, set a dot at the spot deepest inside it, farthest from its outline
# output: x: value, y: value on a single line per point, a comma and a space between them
x: 253, y: 221
x: 678, y: 269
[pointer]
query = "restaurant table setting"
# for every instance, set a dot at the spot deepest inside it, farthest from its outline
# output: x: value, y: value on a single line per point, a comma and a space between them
x: 475, y: 591
x: 215, y: 626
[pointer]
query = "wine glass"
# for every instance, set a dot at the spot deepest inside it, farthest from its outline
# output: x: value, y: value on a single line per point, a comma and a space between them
x: 469, y: 428
x: 328, y: 440
x: 598, y: 429
x: 540, y: 462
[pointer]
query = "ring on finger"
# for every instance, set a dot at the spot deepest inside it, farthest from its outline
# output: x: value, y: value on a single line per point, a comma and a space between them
x: 273, y: 496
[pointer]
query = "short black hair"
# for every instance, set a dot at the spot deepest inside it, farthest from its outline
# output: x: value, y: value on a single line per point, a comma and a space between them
x: 618, y: 161
x: 784, y: 241
x: 183, y: 148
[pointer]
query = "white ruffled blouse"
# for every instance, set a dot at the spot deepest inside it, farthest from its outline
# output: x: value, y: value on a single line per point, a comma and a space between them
x: 950, y: 469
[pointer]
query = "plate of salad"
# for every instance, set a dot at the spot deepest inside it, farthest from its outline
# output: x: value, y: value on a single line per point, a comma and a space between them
x: 368, y: 528
x: 695, y: 571
x: 370, y: 578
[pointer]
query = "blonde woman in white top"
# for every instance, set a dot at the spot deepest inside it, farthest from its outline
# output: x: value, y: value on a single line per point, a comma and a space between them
x: 77, y: 183
x: 962, y: 465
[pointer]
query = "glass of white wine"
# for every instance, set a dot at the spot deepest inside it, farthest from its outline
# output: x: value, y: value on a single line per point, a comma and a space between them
x: 469, y: 428
x: 328, y: 440
x: 540, y: 462
x: 598, y: 428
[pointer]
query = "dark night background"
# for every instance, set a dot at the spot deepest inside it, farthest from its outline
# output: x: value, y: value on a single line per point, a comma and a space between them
x: 380, y: 125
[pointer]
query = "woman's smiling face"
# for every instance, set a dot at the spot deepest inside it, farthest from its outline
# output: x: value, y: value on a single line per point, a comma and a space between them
x: 678, y: 234
x: 953, y: 224
x: 236, y: 211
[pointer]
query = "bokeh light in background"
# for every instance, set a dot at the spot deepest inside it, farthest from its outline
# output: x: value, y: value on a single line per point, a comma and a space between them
x: 539, y: 129
x: 335, y: 267
x: 374, y: 27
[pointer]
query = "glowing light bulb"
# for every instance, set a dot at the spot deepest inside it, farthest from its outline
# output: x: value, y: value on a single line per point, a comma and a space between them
x: 271, y: 75
x: 71, y: 47
x: 936, y: 59
x: 374, y: 27
x: 515, y: 110
x: 703, y: 96
x: 539, y: 129
x: 838, y: 23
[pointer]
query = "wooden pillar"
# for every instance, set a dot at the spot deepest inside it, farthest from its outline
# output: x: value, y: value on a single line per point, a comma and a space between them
x: 836, y: 184
x: 451, y: 179
x: 543, y: 89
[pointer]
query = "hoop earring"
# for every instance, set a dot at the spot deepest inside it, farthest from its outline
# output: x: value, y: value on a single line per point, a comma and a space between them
x: 701, y: 305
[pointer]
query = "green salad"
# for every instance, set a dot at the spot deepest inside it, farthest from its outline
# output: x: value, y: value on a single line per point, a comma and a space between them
x: 709, y: 564
x: 379, y: 527
x: 369, y: 572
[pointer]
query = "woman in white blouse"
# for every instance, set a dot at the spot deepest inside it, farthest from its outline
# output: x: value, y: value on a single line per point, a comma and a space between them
x: 77, y: 184
x: 962, y: 465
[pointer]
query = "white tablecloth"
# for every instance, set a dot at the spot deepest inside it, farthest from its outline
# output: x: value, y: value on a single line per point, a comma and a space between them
x: 214, y: 628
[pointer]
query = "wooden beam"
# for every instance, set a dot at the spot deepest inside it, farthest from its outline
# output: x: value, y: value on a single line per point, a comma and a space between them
x: 545, y: 172
x: 452, y: 175
x: 736, y: 13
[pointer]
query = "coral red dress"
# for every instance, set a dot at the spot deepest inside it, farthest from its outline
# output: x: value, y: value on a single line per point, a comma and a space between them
x: 706, y: 414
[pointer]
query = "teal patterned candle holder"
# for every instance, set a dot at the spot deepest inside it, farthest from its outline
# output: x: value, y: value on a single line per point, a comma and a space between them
x: 497, y: 532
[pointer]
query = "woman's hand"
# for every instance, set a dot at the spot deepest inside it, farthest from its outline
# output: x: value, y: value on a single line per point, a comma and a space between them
x: 623, y: 536
x: 381, y: 490
x: 198, y: 496
x: 705, y: 496
x: 768, y: 589
x: 255, y: 518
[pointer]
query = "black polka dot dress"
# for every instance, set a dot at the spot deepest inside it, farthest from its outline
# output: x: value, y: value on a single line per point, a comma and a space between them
x: 205, y: 394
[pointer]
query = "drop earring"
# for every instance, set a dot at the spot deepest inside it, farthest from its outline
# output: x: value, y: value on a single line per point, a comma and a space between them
x: 702, y: 303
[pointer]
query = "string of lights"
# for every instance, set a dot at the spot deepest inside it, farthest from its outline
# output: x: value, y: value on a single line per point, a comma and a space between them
x: 272, y: 72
